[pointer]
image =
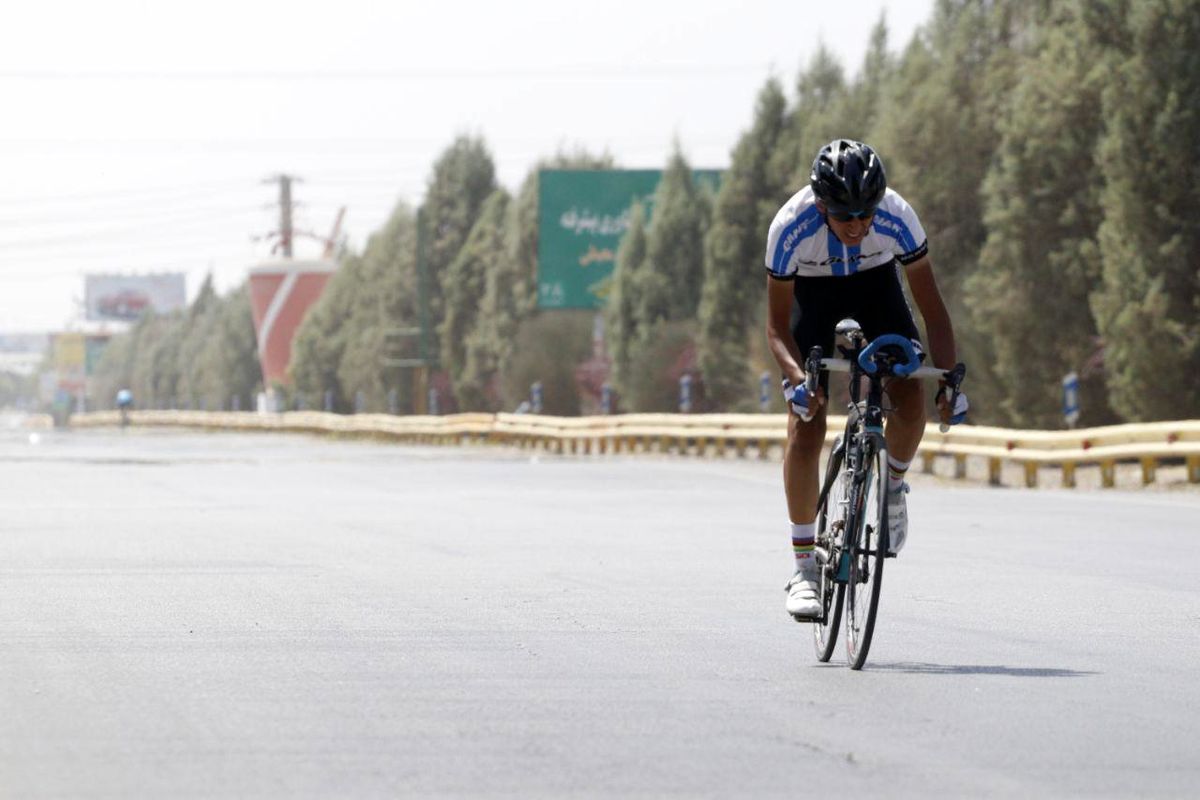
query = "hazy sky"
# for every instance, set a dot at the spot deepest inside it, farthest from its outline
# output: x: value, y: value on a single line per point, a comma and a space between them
x: 137, y: 135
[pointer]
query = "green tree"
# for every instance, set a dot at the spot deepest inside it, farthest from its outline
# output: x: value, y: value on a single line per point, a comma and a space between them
x: 1042, y: 213
x: 320, y: 341
x: 670, y: 289
x: 464, y: 176
x: 465, y: 354
x: 1148, y: 306
x: 937, y: 135
x: 620, y: 318
x: 749, y: 196
x: 203, y: 356
x: 350, y: 335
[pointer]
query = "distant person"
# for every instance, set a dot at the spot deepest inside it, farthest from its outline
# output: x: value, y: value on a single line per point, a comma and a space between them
x: 837, y: 250
x: 124, y: 405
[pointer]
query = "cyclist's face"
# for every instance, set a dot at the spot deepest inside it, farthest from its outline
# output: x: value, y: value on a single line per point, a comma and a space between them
x: 850, y: 231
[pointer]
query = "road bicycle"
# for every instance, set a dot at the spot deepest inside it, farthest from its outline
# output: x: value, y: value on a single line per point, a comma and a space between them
x: 852, y: 518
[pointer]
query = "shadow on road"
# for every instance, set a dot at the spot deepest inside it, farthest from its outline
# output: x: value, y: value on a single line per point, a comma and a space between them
x: 922, y: 668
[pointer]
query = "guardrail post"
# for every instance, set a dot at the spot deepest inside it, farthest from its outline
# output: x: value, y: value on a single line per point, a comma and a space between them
x: 927, y: 462
x: 1068, y: 474
x: 1108, y: 473
x: 995, y: 468
x: 1031, y: 474
x: 1149, y: 468
x: 1193, y: 469
x: 960, y: 466
x: 763, y: 447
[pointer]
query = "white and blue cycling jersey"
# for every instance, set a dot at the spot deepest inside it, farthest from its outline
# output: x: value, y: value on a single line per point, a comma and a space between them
x: 800, y: 244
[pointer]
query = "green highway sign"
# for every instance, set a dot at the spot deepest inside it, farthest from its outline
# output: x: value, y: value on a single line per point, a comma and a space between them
x: 582, y: 215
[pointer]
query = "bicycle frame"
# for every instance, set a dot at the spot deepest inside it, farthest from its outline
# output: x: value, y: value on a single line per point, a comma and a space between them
x: 857, y: 446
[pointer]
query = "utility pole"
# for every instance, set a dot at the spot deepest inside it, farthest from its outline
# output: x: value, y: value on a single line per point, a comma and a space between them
x: 286, y: 233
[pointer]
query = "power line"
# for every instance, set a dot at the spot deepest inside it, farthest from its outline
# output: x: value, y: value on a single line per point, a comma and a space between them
x: 552, y: 72
x: 147, y: 216
x: 124, y: 193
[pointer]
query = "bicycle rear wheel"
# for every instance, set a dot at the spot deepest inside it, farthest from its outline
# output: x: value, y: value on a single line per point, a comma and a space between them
x: 867, y: 540
x: 831, y: 519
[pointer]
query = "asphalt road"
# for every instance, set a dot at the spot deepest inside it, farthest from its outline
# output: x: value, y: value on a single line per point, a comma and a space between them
x: 190, y: 615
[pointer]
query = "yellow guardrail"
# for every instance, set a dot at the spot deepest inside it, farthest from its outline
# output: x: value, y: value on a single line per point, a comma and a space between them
x: 1147, y: 444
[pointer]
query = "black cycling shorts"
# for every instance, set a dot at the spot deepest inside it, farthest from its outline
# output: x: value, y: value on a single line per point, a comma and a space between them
x: 873, y: 297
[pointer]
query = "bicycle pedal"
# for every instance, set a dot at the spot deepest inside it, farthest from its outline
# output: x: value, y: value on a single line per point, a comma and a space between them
x: 798, y: 618
x: 889, y: 555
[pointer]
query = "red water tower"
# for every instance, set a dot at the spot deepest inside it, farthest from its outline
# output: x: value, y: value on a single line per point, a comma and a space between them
x: 281, y: 292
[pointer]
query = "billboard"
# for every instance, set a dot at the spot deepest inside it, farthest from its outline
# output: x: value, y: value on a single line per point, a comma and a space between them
x: 127, y: 297
x: 582, y: 215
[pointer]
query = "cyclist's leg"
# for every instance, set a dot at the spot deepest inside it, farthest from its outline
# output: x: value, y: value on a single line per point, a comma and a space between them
x: 811, y: 326
x: 886, y: 311
x: 801, y: 466
x: 906, y: 423
x: 814, y: 315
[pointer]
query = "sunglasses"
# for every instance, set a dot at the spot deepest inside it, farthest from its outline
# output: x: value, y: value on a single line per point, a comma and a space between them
x: 846, y: 216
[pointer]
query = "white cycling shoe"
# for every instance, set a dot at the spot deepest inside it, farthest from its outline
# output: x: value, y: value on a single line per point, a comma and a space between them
x: 897, y: 519
x: 803, y: 600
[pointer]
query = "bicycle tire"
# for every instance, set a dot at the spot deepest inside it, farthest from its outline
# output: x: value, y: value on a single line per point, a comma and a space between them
x: 869, y: 540
x: 832, y: 594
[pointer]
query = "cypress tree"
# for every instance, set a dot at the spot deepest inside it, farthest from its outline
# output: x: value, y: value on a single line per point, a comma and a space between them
x: 465, y: 284
x: 733, y: 280
x: 621, y: 323
x: 670, y: 288
x: 1148, y: 306
x: 464, y: 176
x: 1042, y: 213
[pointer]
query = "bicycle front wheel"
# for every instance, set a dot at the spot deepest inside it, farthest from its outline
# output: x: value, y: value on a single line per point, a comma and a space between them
x: 867, y: 542
x: 831, y: 521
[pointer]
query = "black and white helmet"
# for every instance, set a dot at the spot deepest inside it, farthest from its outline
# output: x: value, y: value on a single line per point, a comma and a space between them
x: 848, y: 178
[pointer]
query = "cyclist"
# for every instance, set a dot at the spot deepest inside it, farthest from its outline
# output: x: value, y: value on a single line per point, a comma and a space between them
x: 124, y: 405
x: 836, y: 250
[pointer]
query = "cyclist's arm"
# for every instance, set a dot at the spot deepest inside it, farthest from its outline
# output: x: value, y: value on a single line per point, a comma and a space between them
x: 933, y: 311
x: 779, y: 330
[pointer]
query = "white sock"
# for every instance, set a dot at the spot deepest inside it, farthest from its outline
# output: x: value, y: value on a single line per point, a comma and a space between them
x: 896, y: 471
x: 803, y: 537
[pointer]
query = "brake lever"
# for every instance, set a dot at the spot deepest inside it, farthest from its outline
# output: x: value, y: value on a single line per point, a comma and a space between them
x: 812, y: 377
x: 954, y: 379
